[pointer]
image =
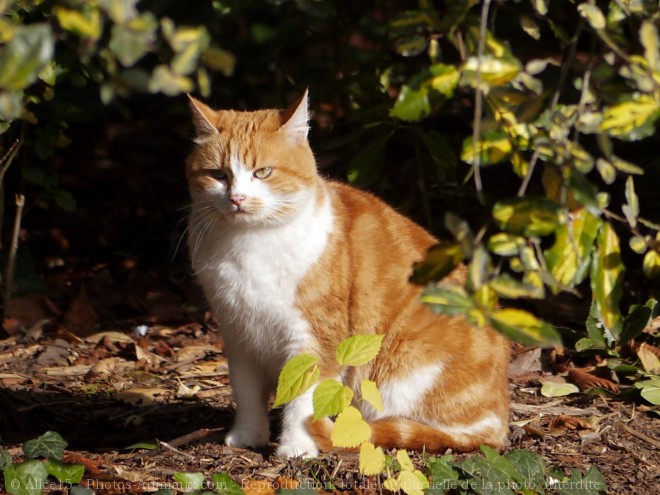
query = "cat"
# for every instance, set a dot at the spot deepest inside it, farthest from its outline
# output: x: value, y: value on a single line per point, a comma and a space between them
x: 291, y: 262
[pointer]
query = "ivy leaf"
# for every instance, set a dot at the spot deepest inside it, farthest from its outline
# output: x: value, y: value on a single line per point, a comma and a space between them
x: 350, y: 429
x: 330, y: 398
x: 65, y: 473
x: 524, y: 327
x: 297, y: 375
x: 224, y: 485
x: 493, y: 147
x: 190, y: 481
x: 528, y: 216
x: 50, y: 445
x: 607, y: 272
x: 358, y: 349
x: 26, y: 478
x: 371, y: 394
x: 372, y: 459
x: 5, y: 459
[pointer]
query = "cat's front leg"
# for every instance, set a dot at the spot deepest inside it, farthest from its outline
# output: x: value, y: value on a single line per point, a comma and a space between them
x: 251, y: 427
x: 295, y: 440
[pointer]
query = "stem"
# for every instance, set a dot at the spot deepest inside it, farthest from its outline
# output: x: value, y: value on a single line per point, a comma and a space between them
x: 478, y: 104
x: 5, y: 163
x: 11, y: 260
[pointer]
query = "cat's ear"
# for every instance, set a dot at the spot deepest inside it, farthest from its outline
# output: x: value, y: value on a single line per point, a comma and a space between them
x: 295, y: 119
x: 205, y: 118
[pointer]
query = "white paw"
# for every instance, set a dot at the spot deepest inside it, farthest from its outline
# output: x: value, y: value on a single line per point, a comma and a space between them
x: 301, y: 447
x: 244, y: 438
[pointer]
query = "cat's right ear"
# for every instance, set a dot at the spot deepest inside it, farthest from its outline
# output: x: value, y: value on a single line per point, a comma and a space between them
x: 205, y: 118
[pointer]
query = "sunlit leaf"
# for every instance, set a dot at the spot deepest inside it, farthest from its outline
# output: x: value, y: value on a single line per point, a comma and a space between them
x: 120, y: 11
x: 523, y: 327
x: 504, y: 244
x: 65, y: 473
x: 132, y: 41
x: 358, y: 349
x: 593, y: 15
x: 50, y: 445
x: 449, y: 300
x: 164, y: 80
x: 330, y: 398
x: 631, y: 208
x: 219, y: 60
x: 371, y: 394
x: 412, y: 104
x: 297, y: 375
x: 648, y: 36
x: 530, y: 27
x: 650, y: 390
x: 350, y: 429
x: 493, y: 71
x: 440, y: 261
x: 493, y: 147
x: 606, y: 170
x: 86, y: 23
x: 528, y: 216
x: 607, y: 278
x: 553, y: 389
x: 651, y: 264
x: 569, y: 257
x: 507, y: 286
x: 631, y: 120
x: 372, y: 459
x: 23, y: 58
x: 443, y: 79
x: 648, y: 358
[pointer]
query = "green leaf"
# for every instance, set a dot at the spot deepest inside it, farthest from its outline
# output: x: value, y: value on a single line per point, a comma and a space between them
x: 5, y: 459
x: 190, y: 481
x: 504, y: 244
x: 530, y: 465
x: 524, y: 327
x: 189, y: 44
x: 330, y: 398
x: 86, y: 23
x: 569, y: 257
x: 164, y: 80
x: 120, y: 11
x: 65, y: 473
x: 411, y: 104
x: 508, y: 287
x: 50, y: 445
x: 23, y: 58
x: 132, y: 41
x: 219, y: 60
x: 528, y: 216
x: 593, y: 15
x: 297, y: 375
x: 631, y: 120
x: 552, y: 389
x: 358, y: 349
x: 449, y: 300
x: 443, y: 79
x: 440, y: 261
x: 636, y: 321
x: 493, y: 147
x: 607, y: 272
x: 650, y: 390
x: 26, y: 478
x: 224, y: 485
x: 494, y: 71
x: 366, y: 166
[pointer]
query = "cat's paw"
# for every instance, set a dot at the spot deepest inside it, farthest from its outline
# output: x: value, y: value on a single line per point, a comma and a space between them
x: 247, y: 438
x: 304, y: 448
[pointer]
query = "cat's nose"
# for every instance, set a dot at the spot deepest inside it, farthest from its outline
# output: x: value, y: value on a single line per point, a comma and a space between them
x: 237, y: 199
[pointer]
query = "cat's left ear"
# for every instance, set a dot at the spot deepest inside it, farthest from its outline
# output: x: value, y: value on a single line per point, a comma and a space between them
x: 295, y: 119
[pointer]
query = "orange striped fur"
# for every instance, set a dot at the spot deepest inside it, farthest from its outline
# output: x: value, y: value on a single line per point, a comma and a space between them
x: 291, y: 262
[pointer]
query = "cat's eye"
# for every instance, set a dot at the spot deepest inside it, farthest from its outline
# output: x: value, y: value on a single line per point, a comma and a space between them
x: 219, y: 175
x: 262, y: 173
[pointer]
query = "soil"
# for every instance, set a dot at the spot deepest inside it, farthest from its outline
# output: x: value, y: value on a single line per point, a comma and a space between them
x: 112, y: 347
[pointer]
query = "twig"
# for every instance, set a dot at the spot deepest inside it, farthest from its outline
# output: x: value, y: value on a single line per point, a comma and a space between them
x: 11, y: 260
x: 478, y: 104
x: 5, y: 163
x: 174, y: 449
x: 641, y: 436
x: 195, y: 436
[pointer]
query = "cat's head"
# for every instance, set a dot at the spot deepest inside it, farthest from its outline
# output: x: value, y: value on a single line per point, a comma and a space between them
x: 253, y: 168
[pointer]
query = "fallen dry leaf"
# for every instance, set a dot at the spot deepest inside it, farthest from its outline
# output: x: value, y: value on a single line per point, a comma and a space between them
x: 142, y: 396
x: 649, y: 358
x: 253, y: 486
x: 587, y: 381
x: 104, y: 368
x: 568, y: 423
x: 81, y: 318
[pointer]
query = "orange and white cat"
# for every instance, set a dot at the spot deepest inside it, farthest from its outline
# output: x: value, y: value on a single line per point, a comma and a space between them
x: 291, y: 262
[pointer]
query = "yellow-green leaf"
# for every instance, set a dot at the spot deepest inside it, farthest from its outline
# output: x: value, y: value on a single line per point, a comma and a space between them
x: 404, y: 460
x: 569, y: 257
x: 164, y: 80
x: 119, y: 11
x: 504, y: 244
x: 607, y: 272
x: 444, y: 78
x: 219, y: 60
x: 631, y: 120
x: 391, y: 484
x: 593, y: 15
x: 528, y: 216
x: 358, y: 349
x: 447, y: 299
x: 651, y: 264
x: 350, y: 429
x: 494, y: 71
x: 552, y: 389
x: 297, y: 375
x: 507, y: 286
x: 371, y: 394
x: 23, y: 58
x: 412, y: 482
x: 372, y: 459
x: 330, y: 398
x: 648, y: 36
x: 440, y: 260
x: 86, y: 24
x: 524, y: 327
x: 493, y: 147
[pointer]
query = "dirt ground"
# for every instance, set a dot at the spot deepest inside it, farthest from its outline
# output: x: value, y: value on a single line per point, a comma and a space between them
x: 111, y: 346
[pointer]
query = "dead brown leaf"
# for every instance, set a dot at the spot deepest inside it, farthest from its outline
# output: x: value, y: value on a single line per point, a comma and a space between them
x: 568, y: 423
x: 26, y: 311
x: 81, y: 318
x: 586, y: 380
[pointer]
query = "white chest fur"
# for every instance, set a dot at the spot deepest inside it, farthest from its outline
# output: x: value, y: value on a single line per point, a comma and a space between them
x: 251, y: 275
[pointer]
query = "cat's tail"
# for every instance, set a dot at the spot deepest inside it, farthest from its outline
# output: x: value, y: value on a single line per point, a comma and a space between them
x: 408, y: 434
